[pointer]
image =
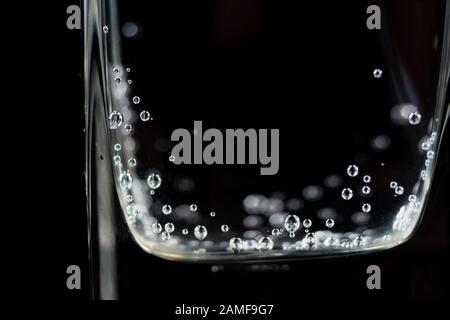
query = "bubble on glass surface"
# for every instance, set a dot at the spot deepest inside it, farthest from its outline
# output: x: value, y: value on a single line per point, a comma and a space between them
x: 329, y: 223
x: 154, y: 181
x: 118, y: 80
x: 212, y: 214
x: 412, y: 198
x: 265, y: 243
x: 131, y: 208
x: 116, y: 69
x: 276, y: 232
x: 129, y: 198
x: 399, y: 190
x: 332, y: 181
x: 307, y: 223
x: 166, y: 209
x: 312, y: 193
x: 423, y: 174
x: 430, y: 154
x: 393, y: 184
x: 128, y: 127
x: 224, y: 228
x: 115, y: 120
x: 380, y: 143
x: 377, y: 73
x: 125, y: 180
x: 117, y: 147
x: 157, y: 228
x: 414, y: 118
x: 185, y: 232
x: 310, y: 238
x: 400, y: 113
x: 358, y: 241
x: 136, y: 99
x: 352, y: 170
x: 130, y: 29
x: 165, y: 235
x: 200, y: 232
x: 132, y: 162
x: 366, y: 207
x: 145, y: 116
x: 117, y: 160
x: 425, y: 146
x: 169, y: 227
x: 292, y: 224
x: 193, y: 208
x: 367, y: 179
x: 172, y: 158
x: 105, y: 29
x: 347, y: 193
x: 236, y: 244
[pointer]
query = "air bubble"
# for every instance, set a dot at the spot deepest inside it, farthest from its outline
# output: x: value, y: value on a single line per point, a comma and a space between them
x: 117, y: 160
x: 367, y: 179
x: 412, y: 198
x: 125, y: 180
x: 169, y: 227
x: 172, y: 158
x: 129, y: 198
x: 307, y: 223
x: 329, y: 223
x: 224, y: 228
x: 115, y: 120
x: 399, y: 190
x: 136, y: 100
x: 145, y: 116
x: 165, y: 236
x: 430, y: 154
x: 365, y: 190
x: 105, y: 29
x: 276, y: 232
x: 128, y: 128
x: 265, y: 243
x: 352, y: 170
x: 193, y: 207
x: 377, y: 73
x: 414, y: 118
x: 118, y: 80
x: 132, y: 162
x: 366, y: 208
x: 426, y: 146
x: 185, y: 232
x: 212, y: 214
x: 154, y: 181
x: 117, y: 147
x: 236, y: 244
x: 166, y: 209
x: 310, y: 239
x: 347, y: 194
x: 292, y: 224
x: 393, y: 184
x: 200, y: 232
x: 157, y: 228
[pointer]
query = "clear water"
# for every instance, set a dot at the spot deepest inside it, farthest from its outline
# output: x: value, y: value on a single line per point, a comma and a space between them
x: 360, y: 120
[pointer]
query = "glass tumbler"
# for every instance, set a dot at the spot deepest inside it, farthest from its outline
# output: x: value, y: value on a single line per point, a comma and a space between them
x: 233, y: 131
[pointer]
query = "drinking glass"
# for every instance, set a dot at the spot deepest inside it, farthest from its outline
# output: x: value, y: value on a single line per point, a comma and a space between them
x: 358, y: 91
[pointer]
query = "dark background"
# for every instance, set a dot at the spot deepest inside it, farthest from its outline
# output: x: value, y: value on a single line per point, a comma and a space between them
x: 417, y: 270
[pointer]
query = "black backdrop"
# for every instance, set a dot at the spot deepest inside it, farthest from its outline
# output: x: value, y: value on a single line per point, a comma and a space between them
x: 416, y: 270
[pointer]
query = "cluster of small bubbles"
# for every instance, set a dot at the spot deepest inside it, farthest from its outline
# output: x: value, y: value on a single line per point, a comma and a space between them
x: 291, y: 224
x: 393, y: 184
x: 145, y: 115
x: 412, y: 198
x: 366, y: 207
x: 166, y: 209
x: 307, y: 223
x: 154, y: 181
x: 185, y: 232
x: 430, y: 154
x: 377, y: 73
x: 193, y: 207
x: 352, y: 170
x: 276, y: 232
x: 367, y: 179
x: 117, y: 147
x: 136, y: 100
x: 200, y: 232
x: 358, y: 241
x: 132, y: 162
x: 125, y: 180
x: 399, y: 190
x: 236, y: 244
x: 329, y: 223
x: 265, y: 243
x: 414, y: 118
x: 365, y: 190
x: 117, y: 160
x: 347, y: 194
x: 224, y: 228
x: 129, y: 198
x: 157, y: 228
x: 115, y: 120
x: 128, y: 127
x: 212, y: 214
x: 105, y: 29
x: 310, y: 239
x: 169, y: 227
x: 118, y: 80
x: 165, y: 236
